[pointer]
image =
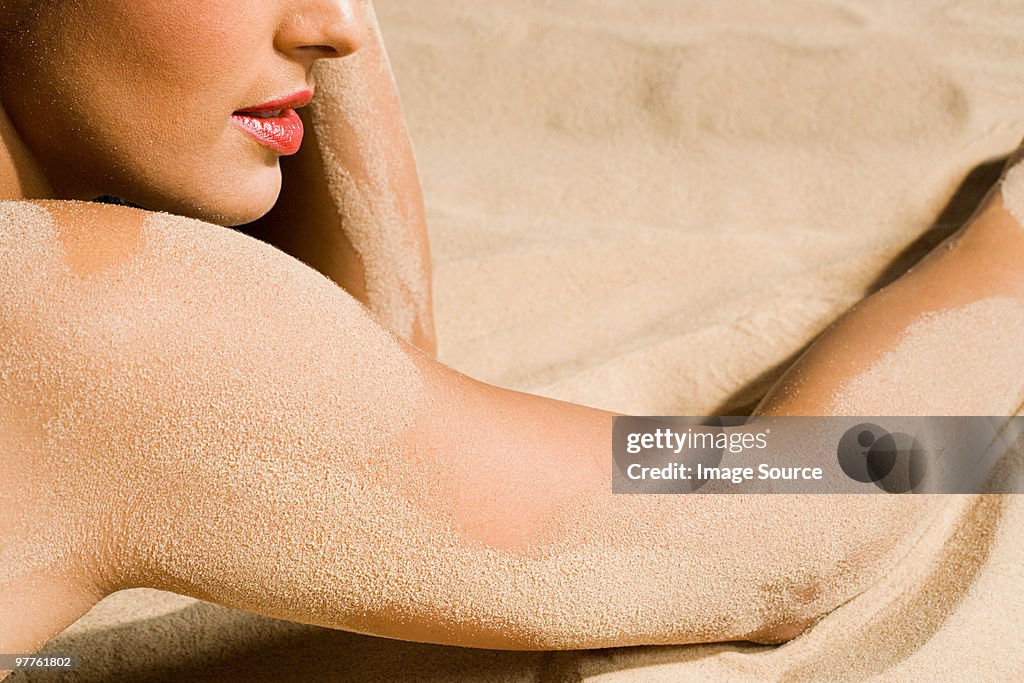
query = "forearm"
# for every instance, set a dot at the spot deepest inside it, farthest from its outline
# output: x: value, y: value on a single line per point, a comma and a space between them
x: 493, y: 525
x: 351, y: 205
x: 360, y: 131
x: 944, y: 339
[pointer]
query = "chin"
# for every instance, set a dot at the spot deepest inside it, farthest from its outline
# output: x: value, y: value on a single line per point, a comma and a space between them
x: 234, y: 203
x: 248, y: 199
x: 237, y: 212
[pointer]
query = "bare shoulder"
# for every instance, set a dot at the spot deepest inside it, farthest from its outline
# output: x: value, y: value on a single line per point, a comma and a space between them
x: 88, y: 239
x: 98, y: 289
x: 97, y: 256
x: 157, y: 361
x: 53, y: 243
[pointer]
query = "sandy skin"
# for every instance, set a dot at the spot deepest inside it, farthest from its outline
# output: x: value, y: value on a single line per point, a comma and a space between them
x: 979, y: 261
x: 181, y: 414
x: 510, y: 519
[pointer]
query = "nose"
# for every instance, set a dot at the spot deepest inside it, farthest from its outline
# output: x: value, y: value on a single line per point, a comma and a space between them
x: 317, y: 29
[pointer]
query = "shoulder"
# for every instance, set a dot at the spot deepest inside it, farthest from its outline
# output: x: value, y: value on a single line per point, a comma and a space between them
x: 52, y: 245
x: 90, y: 237
x: 124, y: 314
x: 48, y: 238
x: 109, y: 278
x: 37, y: 219
x: 83, y: 275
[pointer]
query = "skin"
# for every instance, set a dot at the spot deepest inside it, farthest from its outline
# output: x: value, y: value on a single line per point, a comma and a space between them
x: 96, y: 119
x: 549, y: 456
x: 305, y: 222
x: 981, y: 259
x: 92, y: 134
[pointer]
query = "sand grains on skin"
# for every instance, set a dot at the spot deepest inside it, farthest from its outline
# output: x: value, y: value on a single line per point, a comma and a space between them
x: 198, y: 361
x: 917, y: 377
x: 1013, y: 192
x: 266, y: 399
x: 371, y: 208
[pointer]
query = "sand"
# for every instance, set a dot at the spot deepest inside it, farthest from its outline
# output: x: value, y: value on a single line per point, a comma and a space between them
x: 1013, y: 192
x: 140, y: 386
x: 651, y: 208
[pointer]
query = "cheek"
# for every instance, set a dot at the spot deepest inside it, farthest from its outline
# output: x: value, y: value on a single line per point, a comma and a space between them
x: 205, y: 53
x: 156, y: 78
x: 135, y: 97
x: 152, y: 103
x: 189, y: 64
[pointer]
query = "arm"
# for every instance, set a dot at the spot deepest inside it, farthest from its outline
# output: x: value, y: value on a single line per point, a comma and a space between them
x: 351, y: 205
x: 224, y: 422
x: 974, y: 280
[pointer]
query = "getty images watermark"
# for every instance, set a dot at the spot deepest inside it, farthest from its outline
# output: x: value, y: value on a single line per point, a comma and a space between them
x: 829, y: 454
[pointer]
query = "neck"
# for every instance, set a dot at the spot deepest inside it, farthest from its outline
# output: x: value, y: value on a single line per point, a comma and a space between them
x: 20, y: 175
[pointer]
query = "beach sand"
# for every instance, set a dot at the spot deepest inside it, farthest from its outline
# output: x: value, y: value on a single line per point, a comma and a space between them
x: 652, y: 207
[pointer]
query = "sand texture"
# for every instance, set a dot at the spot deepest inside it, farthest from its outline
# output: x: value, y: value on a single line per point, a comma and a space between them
x: 652, y: 207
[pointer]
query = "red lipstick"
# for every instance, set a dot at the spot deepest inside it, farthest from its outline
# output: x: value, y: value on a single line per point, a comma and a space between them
x: 276, y: 123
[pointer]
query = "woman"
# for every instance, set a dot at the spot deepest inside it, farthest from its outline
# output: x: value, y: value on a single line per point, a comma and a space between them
x: 187, y: 408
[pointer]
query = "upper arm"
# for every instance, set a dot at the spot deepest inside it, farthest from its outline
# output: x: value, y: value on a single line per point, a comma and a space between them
x: 220, y: 420
x: 163, y: 361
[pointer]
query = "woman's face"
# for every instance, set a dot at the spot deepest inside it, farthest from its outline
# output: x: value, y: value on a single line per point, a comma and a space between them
x: 135, y: 98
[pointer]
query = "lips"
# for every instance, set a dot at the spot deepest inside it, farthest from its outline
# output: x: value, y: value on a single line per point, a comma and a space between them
x: 275, y: 124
